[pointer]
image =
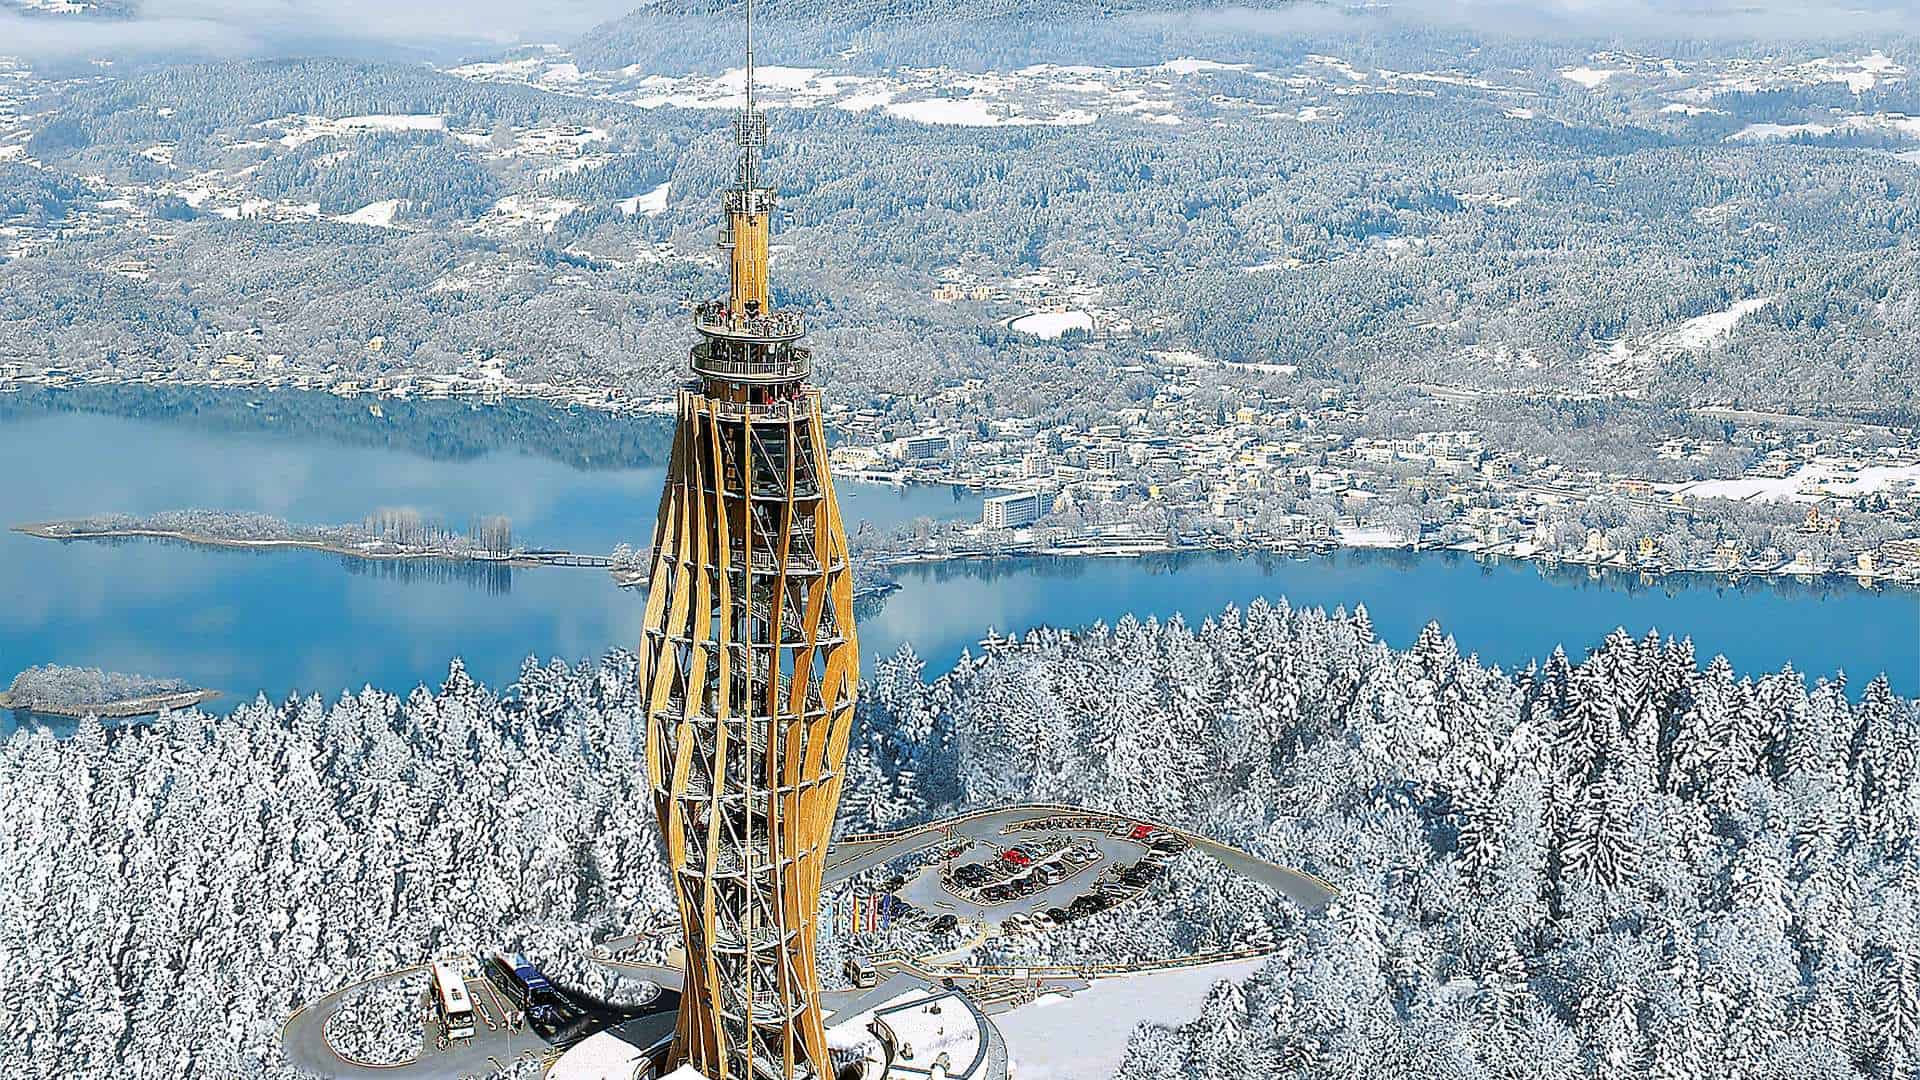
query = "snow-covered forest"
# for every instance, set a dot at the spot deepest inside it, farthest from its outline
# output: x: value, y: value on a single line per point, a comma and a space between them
x: 174, y: 891
x: 1627, y: 866
x: 1634, y: 864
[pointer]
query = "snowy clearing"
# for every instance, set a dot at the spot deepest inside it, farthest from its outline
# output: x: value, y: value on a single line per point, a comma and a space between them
x: 1591, y: 78
x: 1102, y: 1017
x: 1335, y: 64
x: 1809, y: 483
x: 1051, y: 324
x: 534, y: 210
x: 979, y: 112
x: 1886, y: 123
x: 506, y: 69
x: 1190, y: 65
x: 301, y: 130
x: 377, y: 213
x: 651, y: 204
x: 1703, y: 331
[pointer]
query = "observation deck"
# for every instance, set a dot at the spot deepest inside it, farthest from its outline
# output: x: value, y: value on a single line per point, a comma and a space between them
x: 715, y: 319
x: 753, y: 347
x: 743, y: 362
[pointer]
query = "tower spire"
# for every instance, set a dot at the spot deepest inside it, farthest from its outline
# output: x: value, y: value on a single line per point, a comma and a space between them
x: 750, y: 129
x: 747, y: 339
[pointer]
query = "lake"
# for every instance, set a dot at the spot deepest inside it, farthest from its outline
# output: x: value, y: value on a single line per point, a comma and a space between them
x: 285, y: 621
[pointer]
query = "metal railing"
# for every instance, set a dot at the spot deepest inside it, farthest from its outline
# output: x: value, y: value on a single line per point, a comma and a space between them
x: 715, y: 317
x: 788, y: 366
x: 798, y: 409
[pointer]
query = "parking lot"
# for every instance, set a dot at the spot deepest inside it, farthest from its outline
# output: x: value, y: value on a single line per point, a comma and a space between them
x: 1041, y: 873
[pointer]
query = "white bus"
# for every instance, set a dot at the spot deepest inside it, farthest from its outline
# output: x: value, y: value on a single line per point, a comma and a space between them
x: 450, y: 993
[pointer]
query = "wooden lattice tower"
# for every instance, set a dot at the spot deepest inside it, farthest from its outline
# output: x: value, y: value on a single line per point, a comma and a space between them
x: 748, y: 664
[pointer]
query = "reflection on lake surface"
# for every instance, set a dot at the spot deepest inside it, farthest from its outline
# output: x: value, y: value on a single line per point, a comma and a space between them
x: 280, y: 621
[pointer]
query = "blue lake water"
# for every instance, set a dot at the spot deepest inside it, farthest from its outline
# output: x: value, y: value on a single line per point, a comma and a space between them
x: 286, y: 621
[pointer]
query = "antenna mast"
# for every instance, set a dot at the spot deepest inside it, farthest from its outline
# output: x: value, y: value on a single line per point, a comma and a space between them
x: 750, y: 131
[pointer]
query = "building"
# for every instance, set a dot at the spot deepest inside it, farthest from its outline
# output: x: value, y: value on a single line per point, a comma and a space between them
x: 1013, y: 511
x: 748, y: 665
x: 1899, y: 554
x: 925, y: 447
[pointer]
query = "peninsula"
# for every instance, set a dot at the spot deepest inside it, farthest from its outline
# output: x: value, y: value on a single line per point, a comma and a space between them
x: 385, y: 534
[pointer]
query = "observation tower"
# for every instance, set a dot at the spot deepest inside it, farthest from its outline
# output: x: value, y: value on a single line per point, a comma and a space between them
x: 748, y: 662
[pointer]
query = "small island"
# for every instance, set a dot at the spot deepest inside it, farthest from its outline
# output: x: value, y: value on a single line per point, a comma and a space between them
x: 80, y: 692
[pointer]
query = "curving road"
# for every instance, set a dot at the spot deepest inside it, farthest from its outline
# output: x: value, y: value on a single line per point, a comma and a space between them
x: 496, y: 1043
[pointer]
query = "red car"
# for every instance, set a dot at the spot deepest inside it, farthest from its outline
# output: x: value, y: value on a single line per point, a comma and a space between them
x: 1140, y: 833
x: 1015, y: 856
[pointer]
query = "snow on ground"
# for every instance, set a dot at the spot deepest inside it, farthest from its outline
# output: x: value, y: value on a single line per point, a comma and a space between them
x: 1097, y: 1021
x: 1893, y: 123
x: 1051, y: 324
x: 1335, y: 64
x: 1189, y: 65
x: 1372, y: 536
x: 1704, y: 331
x: 507, y: 69
x: 304, y: 129
x: 1522, y: 114
x: 377, y: 213
x: 872, y: 99
x: 1691, y: 110
x: 652, y: 203
x: 982, y: 112
x: 1624, y: 365
x: 1050, y: 94
x: 1591, y: 78
x: 1809, y: 483
x: 1860, y: 75
x: 247, y: 209
x: 533, y: 210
